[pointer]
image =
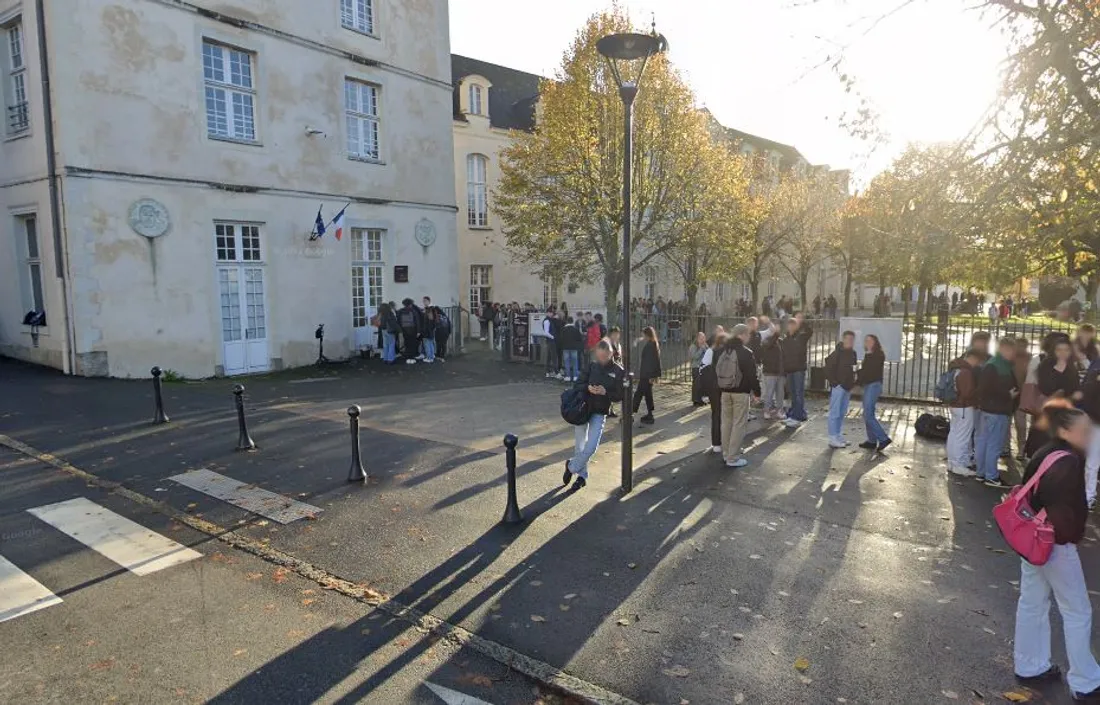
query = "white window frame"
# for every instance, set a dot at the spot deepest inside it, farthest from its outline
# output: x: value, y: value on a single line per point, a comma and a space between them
x: 246, y: 240
x: 34, y: 291
x: 650, y: 287
x: 477, y: 190
x: 238, y: 93
x: 481, y: 282
x: 16, y: 104
x: 549, y: 294
x: 359, y: 16
x: 367, y: 254
x: 476, y: 93
x: 362, y: 117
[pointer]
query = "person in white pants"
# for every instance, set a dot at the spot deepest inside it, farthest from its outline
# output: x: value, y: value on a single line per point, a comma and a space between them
x: 1089, y: 402
x: 1060, y: 492
x: 964, y: 414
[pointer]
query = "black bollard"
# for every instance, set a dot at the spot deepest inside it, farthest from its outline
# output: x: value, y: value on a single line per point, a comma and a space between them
x: 356, y: 473
x: 511, y: 512
x: 158, y: 415
x: 244, y: 441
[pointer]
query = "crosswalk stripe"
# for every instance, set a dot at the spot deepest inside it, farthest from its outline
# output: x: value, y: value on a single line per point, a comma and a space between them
x: 21, y: 594
x: 267, y: 504
x: 115, y: 537
x: 453, y: 697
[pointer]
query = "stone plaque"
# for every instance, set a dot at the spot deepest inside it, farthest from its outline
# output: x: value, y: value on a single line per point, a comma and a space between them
x: 149, y: 218
x: 425, y: 232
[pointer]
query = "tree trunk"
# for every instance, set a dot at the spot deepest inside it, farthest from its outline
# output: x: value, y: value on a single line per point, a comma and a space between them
x: 803, y: 289
x: 847, y: 292
x: 612, y: 280
x: 1092, y: 285
x: 921, y: 289
x: 906, y: 290
x: 691, y: 290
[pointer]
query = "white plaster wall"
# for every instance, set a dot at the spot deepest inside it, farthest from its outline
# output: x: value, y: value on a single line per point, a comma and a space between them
x: 167, y: 315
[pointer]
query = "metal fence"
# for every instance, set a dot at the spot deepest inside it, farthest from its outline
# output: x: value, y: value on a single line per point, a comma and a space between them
x: 928, y: 345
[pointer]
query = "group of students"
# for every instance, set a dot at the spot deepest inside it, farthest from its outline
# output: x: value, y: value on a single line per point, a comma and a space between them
x: 990, y: 394
x: 424, y: 331
x: 569, y: 339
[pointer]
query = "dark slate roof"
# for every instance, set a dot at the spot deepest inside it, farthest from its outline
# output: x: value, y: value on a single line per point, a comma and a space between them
x: 790, y: 155
x: 511, y: 99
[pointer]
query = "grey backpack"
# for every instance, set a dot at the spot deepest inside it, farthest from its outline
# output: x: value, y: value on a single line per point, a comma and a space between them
x: 728, y: 370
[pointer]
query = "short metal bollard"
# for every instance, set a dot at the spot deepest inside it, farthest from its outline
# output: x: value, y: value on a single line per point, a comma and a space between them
x: 244, y: 441
x: 356, y: 473
x: 158, y: 415
x: 511, y: 512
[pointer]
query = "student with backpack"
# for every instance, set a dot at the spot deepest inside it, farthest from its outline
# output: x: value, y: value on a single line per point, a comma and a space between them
x: 735, y: 370
x: 840, y: 374
x: 408, y: 319
x: 958, y: 388
x: 602, y: 380
x: 649, y: 369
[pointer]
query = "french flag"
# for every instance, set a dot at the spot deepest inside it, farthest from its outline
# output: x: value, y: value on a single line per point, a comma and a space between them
x: 338, y: 221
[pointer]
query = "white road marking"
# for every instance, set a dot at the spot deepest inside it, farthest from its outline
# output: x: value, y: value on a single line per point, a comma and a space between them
x: 274, y: 506
x: 21, y: 594
x: 453, y: 697
x: 131, y: 545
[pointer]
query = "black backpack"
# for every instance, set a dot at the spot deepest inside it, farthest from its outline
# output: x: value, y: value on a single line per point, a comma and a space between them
x: 407, y: 319
x: 932, y: 426
x: 574, y: 406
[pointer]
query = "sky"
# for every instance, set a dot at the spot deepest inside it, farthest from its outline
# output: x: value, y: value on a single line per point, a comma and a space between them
x: 762, y: 66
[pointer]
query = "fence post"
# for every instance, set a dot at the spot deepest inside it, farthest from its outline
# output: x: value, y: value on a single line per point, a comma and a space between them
x: 244, y: 441
x: 511, y: 511
x: 356, y: 473
x: 158, y: 416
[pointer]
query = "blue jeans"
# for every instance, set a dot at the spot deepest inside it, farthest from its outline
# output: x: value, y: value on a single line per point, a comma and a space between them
x: 389, y: 346
x: 875, y: 432
x: 989, y: 441
x: 572, y: 364
x: 429, y: 349
x: 838, y: 408
x: 796, y: 386
x: 587, y: 440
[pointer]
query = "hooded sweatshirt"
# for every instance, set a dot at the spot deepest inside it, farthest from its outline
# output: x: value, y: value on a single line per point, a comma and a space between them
x: 966, y: 384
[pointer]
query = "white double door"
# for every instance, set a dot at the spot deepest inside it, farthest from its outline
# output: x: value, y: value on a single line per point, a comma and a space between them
x: 243, y: 318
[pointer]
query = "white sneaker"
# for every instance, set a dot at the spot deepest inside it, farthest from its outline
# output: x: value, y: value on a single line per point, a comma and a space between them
x: 752, y: 417
x: 838, y: 443
x: 739, y: 463
x: 559, y: 376
x: 791, y: 423
x: 963, y: 472
x: 410, y: 362
x: 482, y: 339
x: 549, y: 375
x: 716, y: 449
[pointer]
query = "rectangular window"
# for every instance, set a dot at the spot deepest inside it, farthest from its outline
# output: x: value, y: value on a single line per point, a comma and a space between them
x: 477, y: 191
x: 367, y: 268
x: 475, y: 99
x: 481, y: 285
x: 549, y: 294
x: 230, y: 92
x: 237, y: 242
x: 27, y: 232
x: 650, y: 283
x: 357, y: 15
x: 361, y: 115
x: 16, y: 106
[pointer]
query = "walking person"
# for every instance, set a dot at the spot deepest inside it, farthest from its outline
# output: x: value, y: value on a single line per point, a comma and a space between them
x: 771, y: 359
x: 695, y: 354
x: 870, y: 379
x: 964, y: 413
x: 1060, y: 492
x: 735, y: 370
x: 602, y: 379
x: 796, y: 344
x: 649, y: 369
x: 840, y: 374
x: 708, y: 381
x: 997, y: 393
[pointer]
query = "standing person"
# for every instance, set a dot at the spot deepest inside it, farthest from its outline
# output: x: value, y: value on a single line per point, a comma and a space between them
x: 556, y: 324
x: 649, y: 369
x: 870, y: 378
x: 551, y: 343
x: 409, y: 321
x: 1089, y: 401
x: 572, y: 344
x: 484, y: 316
x: 1060, y: 492
x: 602, y: 379
x: 771, y: 359
x: 840, y: 374
x: 614, y: 335
x: 442, y: 333
x: 695, y: 355
x: 964, y: 413
x: 1085, y: 345
x: 708, y: 380
x: 1024, y: 366
x: 387, y: 322
x: 795, y: 346
x: 735, y: 371
x: 997, y: 394
x: 428, y: 331
x: 1056, y: 376
x: 979, y: 342
x: 593, y: 334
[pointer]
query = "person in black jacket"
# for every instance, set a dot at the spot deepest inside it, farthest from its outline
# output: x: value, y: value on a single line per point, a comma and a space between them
x: 572, y: 345
x: 602, y: 379
x: 771, y: 361
x: 840, y: 373
x: 387, y: 323
x: 428, y: 329
x: 870, y: 379
x: 997, y: 394
x: 1088, y: 400
x: 738, y: 388
x: 649, y: 369
x: 410, y: 321
x: 1060, y: 491
x: 1056, y: 376
x: 795, y: 346
x: 708, y: 383
x: 442, y: 333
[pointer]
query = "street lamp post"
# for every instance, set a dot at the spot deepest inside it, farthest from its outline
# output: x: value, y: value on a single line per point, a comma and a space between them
x: 627, y: 55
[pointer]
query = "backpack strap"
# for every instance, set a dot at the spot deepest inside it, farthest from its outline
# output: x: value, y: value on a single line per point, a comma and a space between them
x: 1047, y: 463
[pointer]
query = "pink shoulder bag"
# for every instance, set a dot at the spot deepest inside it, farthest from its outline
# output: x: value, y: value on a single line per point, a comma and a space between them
x: 1024, y: 529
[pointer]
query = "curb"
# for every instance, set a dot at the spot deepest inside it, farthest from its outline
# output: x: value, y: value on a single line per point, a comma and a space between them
x: 544, y: 673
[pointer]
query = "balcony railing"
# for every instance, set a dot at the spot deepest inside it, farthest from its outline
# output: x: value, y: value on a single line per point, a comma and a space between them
x: 18, y: 118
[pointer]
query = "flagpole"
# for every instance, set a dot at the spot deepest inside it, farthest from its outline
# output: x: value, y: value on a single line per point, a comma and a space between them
x: 339, y: 213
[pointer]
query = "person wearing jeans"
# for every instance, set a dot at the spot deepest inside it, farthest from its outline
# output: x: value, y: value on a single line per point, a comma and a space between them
x: 997, y: 393
x: 572, y: 342
x: 771, y: 359
x: 1060, y: 492
x: 1090, y: 404
x: 795, y: 345
x: 870, y: 378
x: 602, y: 379
x: 840, y: 373
x: 964, y: 414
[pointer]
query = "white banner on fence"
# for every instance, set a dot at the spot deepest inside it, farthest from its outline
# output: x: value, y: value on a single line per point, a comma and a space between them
x: 888, y: 331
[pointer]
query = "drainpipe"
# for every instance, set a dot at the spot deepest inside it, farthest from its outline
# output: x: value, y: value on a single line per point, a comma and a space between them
x: 60, y: 254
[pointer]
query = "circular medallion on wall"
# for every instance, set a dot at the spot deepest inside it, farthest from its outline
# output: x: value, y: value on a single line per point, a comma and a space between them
x: 425, y: 232
x: 149, y: 218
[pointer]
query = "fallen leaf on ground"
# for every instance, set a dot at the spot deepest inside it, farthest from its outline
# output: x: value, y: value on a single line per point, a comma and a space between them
x: 536, y: 583
x: 280, y: 575
x: 307, y: 592
x: 537, y: 618
x: 1015, y: 696
x: 677, y: 671
x: 308, y: 601
x: 253, y: 576
x: 987, y: 630
x: 104, y: 665
x: 563, y: 608
x: 632, y: 566
x: 191, y: 506
x: 950, y: 694
x: 801, y: 664
x: 738, y: 699
x: 755, y: 557
x: 856, y: 602
x: 805, y: 680
x: 570, y: 596
x: 897, y: 615
x: 738, y: 636
x: 240, y: 652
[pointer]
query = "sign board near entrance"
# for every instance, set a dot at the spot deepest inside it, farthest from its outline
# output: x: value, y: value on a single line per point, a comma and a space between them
x: 521, y: 332
x: 401, y: 274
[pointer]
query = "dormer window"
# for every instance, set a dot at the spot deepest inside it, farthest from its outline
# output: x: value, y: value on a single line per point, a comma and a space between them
x: 475, y: 99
